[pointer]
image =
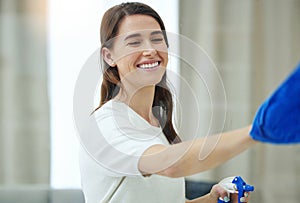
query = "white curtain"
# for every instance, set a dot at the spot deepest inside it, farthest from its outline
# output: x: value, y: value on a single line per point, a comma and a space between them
x: 254, y: 45
x: 24, y: 111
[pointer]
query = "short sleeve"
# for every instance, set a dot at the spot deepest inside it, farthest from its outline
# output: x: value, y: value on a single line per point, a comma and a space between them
x: 115, y: 137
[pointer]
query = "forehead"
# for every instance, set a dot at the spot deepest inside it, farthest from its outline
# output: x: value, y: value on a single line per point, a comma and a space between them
x: 138, y: 23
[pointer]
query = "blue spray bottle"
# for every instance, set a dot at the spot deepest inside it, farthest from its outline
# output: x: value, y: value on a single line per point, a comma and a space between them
x: 235, y: 185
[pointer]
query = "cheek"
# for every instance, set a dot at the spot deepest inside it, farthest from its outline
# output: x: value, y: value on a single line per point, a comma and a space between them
x: 165, y: 57
x: 126, y: 65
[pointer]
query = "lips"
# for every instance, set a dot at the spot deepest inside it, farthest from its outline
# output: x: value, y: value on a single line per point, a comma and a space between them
x: 149, y: 65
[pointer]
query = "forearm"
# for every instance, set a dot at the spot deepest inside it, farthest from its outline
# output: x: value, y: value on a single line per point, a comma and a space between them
x: 216, y: 150
x: 206, y: 153
x: 198, y: 155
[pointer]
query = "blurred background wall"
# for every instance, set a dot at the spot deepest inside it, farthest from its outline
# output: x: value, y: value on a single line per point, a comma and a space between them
x: 24, y: 106
x: 254, y: 44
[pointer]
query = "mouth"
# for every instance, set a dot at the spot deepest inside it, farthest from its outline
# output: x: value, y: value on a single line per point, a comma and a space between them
x: 149, y: 66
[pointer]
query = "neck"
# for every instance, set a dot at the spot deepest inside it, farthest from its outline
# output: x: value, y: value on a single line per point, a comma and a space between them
x: 140, y: 101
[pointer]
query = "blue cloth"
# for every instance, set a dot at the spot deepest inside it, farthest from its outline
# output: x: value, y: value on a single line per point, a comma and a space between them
x: 277, y: 120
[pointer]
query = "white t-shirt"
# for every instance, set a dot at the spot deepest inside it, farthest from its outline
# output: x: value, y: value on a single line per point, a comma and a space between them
x: 111, y: 145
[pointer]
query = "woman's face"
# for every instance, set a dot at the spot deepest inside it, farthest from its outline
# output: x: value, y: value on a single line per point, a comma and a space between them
x: 139, y: 51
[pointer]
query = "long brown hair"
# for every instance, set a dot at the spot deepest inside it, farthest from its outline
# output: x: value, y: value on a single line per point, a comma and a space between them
x: 111, y: 79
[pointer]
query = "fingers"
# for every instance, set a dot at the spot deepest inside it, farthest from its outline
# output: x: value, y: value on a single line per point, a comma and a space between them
x: 218, y: 191
x: 246, y: 198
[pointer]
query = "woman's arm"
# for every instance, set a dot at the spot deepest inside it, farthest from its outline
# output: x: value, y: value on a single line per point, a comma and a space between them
x: 195, y: 156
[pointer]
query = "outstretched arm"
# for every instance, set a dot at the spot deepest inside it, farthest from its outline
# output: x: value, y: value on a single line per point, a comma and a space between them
x: 195, y: 156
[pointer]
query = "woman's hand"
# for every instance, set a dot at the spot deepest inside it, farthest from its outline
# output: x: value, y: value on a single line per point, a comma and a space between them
x: 216, y: 192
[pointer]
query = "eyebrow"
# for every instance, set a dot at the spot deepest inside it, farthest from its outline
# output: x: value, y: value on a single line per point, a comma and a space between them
x: 156, y: 32
x: 139, y: 35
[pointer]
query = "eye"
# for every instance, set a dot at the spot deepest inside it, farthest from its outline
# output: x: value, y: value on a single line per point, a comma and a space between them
x: 157, y: 40
x: 134, y: 43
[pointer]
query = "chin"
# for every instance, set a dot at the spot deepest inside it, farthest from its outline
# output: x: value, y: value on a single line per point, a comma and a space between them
x: 148, y: 82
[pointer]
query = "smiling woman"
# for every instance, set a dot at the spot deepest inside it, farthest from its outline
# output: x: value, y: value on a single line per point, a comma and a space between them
x: 66, y: 27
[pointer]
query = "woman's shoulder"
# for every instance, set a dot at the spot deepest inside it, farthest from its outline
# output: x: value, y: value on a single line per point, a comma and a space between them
x: 111, y: 108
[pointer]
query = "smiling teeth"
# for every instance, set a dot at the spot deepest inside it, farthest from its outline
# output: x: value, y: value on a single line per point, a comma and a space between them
x: 148, y: 66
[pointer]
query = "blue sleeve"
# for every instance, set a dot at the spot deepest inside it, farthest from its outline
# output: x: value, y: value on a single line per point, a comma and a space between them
x: 277, y: 120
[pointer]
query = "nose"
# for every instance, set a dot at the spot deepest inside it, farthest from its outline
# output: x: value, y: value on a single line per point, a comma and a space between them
x: 149, y: 50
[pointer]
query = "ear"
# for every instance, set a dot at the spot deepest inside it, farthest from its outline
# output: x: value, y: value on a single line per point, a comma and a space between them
x: 107, y: 56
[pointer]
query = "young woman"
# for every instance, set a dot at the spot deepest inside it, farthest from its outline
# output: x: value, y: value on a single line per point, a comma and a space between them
x: 138, y: 156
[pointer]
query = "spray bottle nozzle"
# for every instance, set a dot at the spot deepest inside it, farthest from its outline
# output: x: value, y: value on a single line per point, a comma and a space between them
x: 235, y: 185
